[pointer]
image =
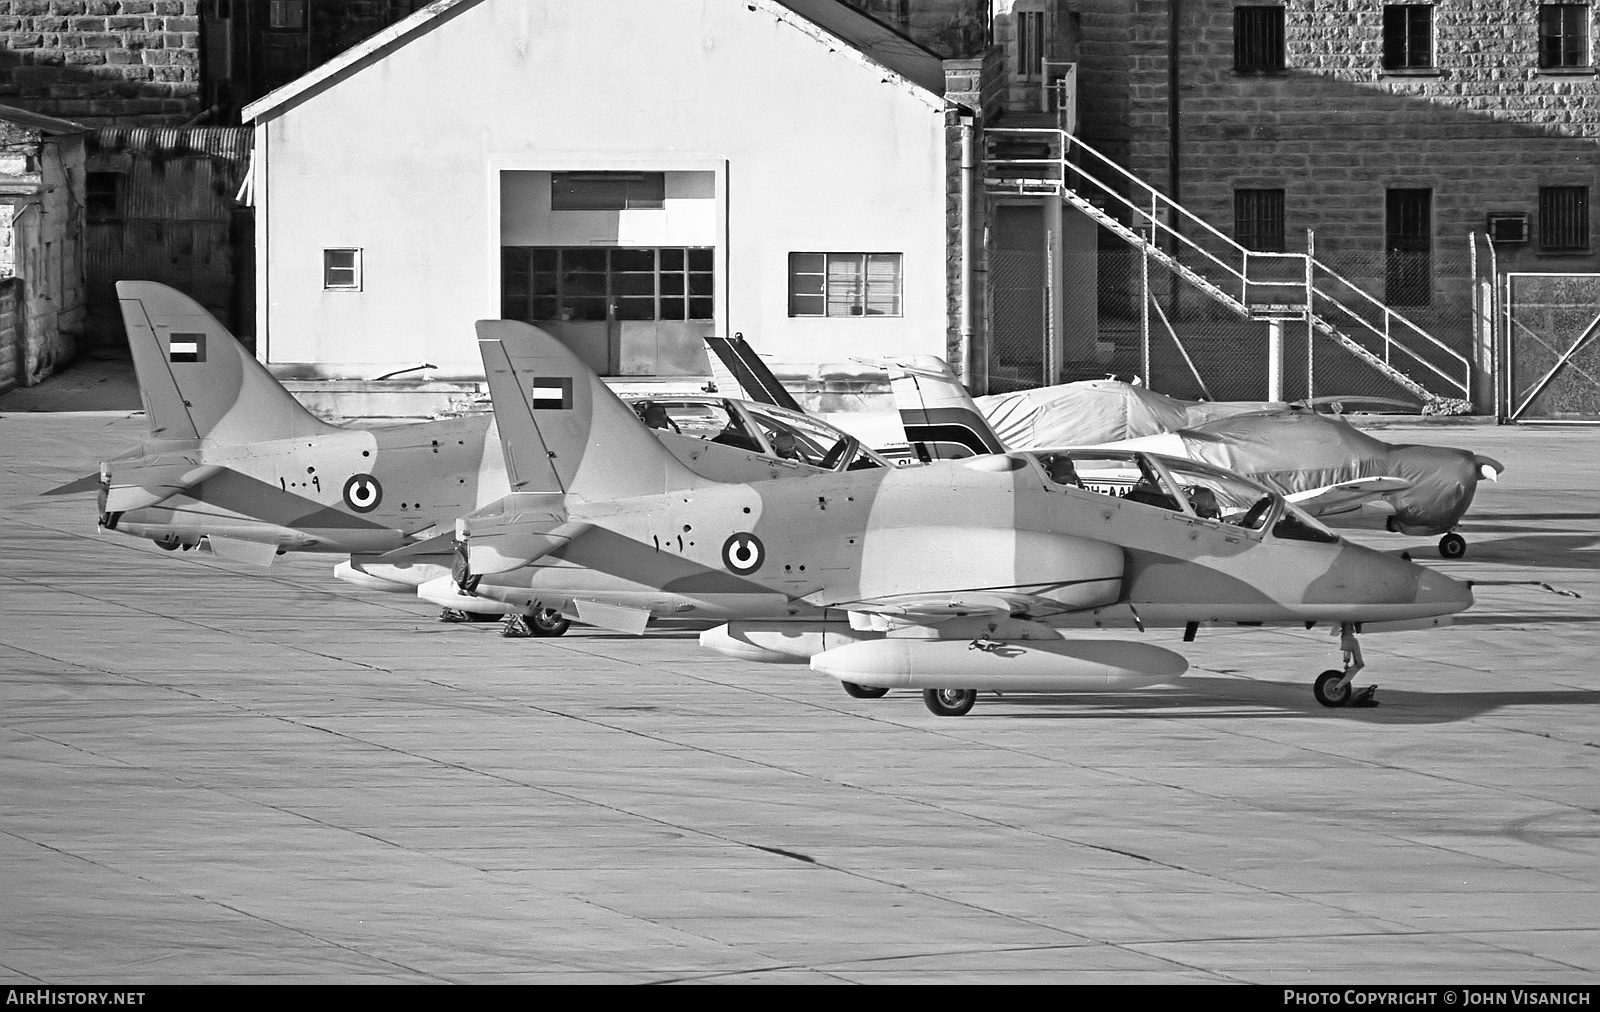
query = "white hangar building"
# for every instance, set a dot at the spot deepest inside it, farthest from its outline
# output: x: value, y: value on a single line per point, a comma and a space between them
x: 629, y: 175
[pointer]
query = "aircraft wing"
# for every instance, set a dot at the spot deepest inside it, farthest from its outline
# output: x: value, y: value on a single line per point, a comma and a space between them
x: 1347, y: 496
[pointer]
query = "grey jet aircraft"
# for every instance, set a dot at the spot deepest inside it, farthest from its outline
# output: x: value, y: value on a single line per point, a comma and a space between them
x: 950, y: 578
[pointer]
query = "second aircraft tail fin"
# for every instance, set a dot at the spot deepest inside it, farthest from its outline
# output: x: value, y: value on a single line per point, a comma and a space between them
x: 562, y: 428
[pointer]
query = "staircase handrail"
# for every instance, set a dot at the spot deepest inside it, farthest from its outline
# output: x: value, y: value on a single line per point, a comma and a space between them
x: 1311, y: 266
x: 1389, y: 313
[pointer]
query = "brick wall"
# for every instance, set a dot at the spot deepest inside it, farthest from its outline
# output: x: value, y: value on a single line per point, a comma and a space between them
x: 1335, y: 131
x: 101, y: 62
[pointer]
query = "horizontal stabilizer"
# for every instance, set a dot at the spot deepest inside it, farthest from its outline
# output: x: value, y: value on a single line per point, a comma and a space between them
x: 88, y: 483
x: 515, y: 531
x: 154, y: 483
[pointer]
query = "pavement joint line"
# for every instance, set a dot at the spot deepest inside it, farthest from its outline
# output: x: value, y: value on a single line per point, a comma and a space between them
x: 218, y: 903
x: 946, y: 810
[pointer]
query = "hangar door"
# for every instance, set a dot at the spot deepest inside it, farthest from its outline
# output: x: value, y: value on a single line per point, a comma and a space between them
x: 1552, y: 348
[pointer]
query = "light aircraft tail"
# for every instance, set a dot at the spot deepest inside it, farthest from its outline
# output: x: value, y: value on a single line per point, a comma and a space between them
x: 940, y: 418
x: 196, y: 380
x: 563, y: 429
x: 748, y: 372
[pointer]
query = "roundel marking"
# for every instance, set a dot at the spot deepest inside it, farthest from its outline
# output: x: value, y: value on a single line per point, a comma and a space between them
x: 743, y: 553
x: 362, y: 493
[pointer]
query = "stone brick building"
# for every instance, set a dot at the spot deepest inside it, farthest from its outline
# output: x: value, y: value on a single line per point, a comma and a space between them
x: 1394, y: 132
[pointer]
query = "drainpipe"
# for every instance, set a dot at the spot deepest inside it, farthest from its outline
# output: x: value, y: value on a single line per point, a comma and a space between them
x: 967, y: 167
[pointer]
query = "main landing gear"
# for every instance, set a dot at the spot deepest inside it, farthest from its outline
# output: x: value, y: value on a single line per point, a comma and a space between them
x: 949, y: 702
x: 544, y: 622
x: 855, y: 691
x: 1333, y: 687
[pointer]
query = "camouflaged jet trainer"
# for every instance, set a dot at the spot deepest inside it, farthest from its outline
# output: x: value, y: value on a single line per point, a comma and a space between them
x: 1323, y: 464
x: 233, y: 462
x: 949, y: 578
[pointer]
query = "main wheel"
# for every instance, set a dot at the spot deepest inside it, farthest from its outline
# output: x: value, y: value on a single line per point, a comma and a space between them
x: 855, y: 691
x: 548, y: 622
x: 949, y: 702
x: 1325, y: 694
x: 1452, y: 546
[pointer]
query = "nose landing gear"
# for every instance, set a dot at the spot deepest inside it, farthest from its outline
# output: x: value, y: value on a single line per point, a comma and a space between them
x: 1332, y: 687
x: 1452, y: 546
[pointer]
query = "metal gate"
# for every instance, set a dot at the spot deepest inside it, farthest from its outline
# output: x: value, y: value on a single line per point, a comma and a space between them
x: 1551, y: 356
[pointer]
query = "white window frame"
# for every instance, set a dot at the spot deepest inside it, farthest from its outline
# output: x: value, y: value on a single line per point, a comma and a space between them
x: 328, y: 267
x: 833, y: 295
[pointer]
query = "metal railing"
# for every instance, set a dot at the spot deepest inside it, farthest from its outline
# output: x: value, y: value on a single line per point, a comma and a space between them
x: 1254, y: 284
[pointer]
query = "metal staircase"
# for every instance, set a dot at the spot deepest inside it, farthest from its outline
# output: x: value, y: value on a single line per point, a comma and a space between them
x: 1256, y: 286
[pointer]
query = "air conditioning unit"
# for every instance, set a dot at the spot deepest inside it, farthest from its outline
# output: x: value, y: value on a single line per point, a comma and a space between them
x: 1508, y: 228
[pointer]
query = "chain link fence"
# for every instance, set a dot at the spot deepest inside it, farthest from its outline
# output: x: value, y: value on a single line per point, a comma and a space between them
x: 1554, y: 360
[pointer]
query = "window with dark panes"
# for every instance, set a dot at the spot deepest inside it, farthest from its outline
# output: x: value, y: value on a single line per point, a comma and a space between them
x: 1407, y: 36
x: 1258, y: 220
x: 1258, y: 39
x: 286, y: 15
x: 102, y: 196
x: 844, y: 284
x: 341, y: 269
x: 1563, y: 35
x: 607, y: 191
x: 1030, y: 44
x: 544, y: 283
x: 1408, y: 247
x: 1563, y: 219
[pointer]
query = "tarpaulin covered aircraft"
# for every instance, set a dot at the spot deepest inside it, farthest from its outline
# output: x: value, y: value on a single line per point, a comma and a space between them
x: 1323, y: 463
x: 949, y: 578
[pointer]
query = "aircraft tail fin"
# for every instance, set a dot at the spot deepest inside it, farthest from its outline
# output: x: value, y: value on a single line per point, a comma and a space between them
x: 562, y: 428
x: 941, y: 420
x: 750, y: 374
x: 196, y: 380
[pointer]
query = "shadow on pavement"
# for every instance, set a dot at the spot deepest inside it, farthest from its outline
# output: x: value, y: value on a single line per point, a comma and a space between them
x: 91, y: 384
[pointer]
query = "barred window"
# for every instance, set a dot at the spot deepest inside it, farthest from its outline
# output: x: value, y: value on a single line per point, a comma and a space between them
x: 1258, y: 220
x: 544, y: 283
x: 1407, y: 36
x: 1257, y: 39
x: 844, y: 284
x: 1030, y: 44
x: 286, y: 15
x: 1563, y: 35
x: 1563, y: 219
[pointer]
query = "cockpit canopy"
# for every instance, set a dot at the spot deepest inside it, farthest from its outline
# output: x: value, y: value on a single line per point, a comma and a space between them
x: 1182, y: 486
x: 759, y: 428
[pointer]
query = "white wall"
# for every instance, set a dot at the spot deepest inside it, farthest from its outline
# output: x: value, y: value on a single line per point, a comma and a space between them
x: 810, y: 148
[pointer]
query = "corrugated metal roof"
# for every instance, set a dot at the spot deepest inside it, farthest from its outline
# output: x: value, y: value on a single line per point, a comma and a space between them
x: 221, y: 142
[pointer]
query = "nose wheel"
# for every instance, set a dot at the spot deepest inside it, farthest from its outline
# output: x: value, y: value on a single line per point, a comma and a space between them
x: 1452, y: 546
x: 1332, y: 687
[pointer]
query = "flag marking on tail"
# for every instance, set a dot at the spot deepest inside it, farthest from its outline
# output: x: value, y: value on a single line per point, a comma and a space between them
x: 186, y: 348
x: 551, y: 393
x: 362, y: 493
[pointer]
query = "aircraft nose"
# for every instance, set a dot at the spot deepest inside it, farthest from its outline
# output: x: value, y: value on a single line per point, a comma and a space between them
x: 1441, y: 594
